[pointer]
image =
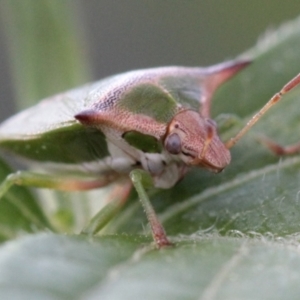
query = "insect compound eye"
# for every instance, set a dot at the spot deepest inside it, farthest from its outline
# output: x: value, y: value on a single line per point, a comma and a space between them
x: 173, y: 143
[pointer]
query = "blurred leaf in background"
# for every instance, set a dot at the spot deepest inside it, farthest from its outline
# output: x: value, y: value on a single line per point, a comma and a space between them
x: 47, y: 50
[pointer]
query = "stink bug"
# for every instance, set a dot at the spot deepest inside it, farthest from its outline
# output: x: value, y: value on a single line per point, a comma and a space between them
x: 151, y: 124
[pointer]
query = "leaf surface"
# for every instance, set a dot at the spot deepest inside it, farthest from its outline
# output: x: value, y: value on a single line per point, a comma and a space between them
x: 236, y: 233
x: 47, y: 266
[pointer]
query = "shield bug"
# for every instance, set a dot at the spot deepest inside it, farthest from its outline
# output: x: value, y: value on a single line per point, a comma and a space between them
x: 148, y: 125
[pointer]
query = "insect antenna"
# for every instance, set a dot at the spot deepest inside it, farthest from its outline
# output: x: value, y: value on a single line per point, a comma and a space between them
x: 276, y: 98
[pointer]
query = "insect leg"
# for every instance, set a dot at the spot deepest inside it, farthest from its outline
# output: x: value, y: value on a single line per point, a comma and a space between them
x: 142, y: 180
x: 279, y: 149
x: 26, y: 178
x: 118, y: 198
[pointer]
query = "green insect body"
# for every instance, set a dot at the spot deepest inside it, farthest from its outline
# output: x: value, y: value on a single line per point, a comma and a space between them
x: 155, y: 120
x: 123, y: 121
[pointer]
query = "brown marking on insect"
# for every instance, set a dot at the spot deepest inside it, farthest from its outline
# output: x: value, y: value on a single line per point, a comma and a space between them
x: 207, y: 141
x: 122, y: 120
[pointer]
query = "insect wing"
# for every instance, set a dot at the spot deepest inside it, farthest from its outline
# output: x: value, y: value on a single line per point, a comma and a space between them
x: 48, y: 131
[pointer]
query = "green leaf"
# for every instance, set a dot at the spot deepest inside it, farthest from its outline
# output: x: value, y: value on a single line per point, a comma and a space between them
x: 58, y: 267
x: 19, y: 210
x: 44, y: 47
x: 64, y: 267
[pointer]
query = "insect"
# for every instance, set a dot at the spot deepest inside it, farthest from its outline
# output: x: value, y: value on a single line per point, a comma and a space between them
x: 148, y: 125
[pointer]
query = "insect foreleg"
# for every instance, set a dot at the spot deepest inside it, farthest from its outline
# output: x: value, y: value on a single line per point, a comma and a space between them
x: 27, y: 178
x: 142, y: 180
x: 118, y: 197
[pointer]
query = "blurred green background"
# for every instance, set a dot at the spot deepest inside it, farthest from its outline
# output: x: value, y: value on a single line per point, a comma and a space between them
x: 122, y: 35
